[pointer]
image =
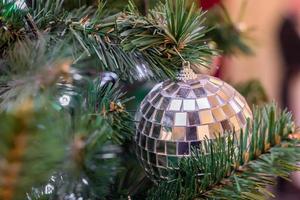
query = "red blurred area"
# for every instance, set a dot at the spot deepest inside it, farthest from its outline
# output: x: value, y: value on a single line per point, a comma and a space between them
x: 207, y: 4
x: 295, y: 5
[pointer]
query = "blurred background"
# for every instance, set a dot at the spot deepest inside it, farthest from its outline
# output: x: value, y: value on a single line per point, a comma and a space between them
x: 275, y: 63
x: 276, y: 47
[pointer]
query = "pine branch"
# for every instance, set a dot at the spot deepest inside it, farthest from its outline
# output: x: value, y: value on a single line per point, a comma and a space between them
x: 87, y: 158
x: 90, y: 165
x: 229, y: 162
x: 97, y: 123
x: 92, y: 36
x: 109, y: 101
x: 46, y: 12
x: 86, y: 30
x: 169, y: 34
x: 93, y: 160
x: 23, y: 132
x: 30, y: 67
x: 32, y: 77
x: 12, y: 24
x: 131, y: 181
x: 251, y: 181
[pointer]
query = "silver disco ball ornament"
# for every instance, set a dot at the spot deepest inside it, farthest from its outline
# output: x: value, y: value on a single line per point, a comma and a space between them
x: 177, y: 115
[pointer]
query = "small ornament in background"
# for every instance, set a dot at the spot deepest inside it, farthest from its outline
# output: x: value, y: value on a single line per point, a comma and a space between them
x: 68, y: 96
x: 65, y: 100
x: 176, y: 116
x: 68, y: 86
x: 108, y: 77
x: 21, y: 4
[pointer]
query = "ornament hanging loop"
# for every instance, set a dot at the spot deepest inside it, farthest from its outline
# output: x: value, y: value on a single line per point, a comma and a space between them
x: 186, y: 73
x: 186, y: 64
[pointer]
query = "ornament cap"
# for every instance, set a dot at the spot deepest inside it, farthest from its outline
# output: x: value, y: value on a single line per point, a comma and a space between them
x: 186, y: 73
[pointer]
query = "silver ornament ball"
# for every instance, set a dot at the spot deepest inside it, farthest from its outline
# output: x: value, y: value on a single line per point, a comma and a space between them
x: 178, y: 115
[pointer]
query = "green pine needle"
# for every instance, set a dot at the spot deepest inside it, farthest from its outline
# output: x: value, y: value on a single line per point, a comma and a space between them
x: 109, y: 102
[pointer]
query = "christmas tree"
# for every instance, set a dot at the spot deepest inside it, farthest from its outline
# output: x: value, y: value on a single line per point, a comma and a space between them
x: 67, y: 122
